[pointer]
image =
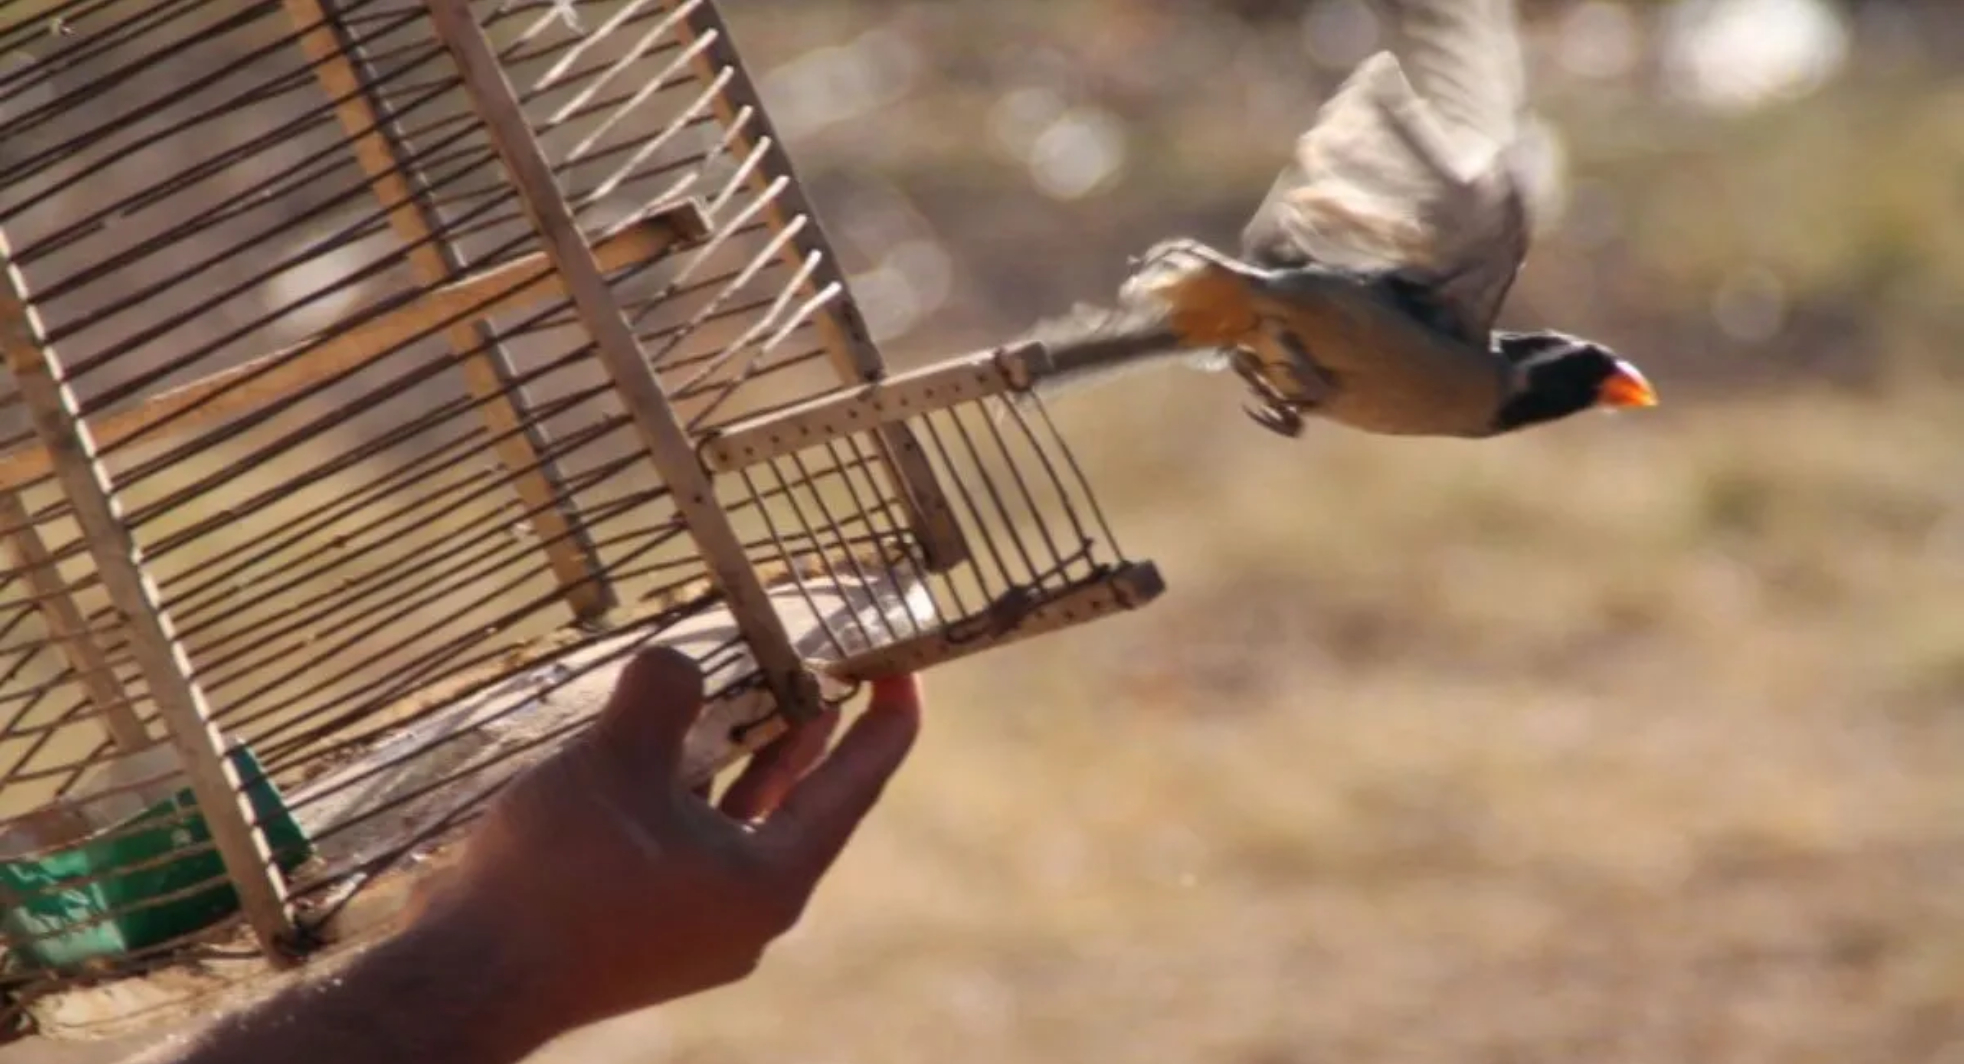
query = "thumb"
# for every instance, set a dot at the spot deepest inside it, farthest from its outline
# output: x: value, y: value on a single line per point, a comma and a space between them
x: 656, y: 698
x: 817, y: 818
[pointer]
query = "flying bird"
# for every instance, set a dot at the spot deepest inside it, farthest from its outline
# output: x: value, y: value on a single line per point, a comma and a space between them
x: 1370, y: 277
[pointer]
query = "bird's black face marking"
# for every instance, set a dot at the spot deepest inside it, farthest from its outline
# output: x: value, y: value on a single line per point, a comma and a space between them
x: 1559, y: 375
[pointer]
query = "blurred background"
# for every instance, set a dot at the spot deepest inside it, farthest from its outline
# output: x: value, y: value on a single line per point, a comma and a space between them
x: 1637, y: 738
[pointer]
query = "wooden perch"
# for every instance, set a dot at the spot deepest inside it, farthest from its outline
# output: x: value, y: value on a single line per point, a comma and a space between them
x: 521, y: 282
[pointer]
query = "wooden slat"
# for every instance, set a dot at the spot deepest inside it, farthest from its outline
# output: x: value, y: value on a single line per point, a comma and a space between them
x: 521, y: 440
x: 52, y: 408
x: 836, y: 415
x: 668, y: 444
x: 68, y: 626
x: 516, y: 284
x: 1009, y: 620
x: 840, y: 329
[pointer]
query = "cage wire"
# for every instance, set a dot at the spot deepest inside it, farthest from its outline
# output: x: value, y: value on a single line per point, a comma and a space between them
x: 380, y: 376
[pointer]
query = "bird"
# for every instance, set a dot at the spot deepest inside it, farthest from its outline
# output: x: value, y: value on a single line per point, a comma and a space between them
x: 1371, y: 275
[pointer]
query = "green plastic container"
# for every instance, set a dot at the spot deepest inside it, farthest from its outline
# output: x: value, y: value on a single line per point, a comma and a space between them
x: 58, y: 923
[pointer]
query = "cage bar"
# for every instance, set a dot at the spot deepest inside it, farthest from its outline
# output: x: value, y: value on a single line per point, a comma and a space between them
x: 891, y: 400
x: 668, y: 444
x: 435, y: 259
x: 514, y: 285
x: 1012, y: 618
x: 52, y: 409
x: 843, y: 332
x: 68, y: 625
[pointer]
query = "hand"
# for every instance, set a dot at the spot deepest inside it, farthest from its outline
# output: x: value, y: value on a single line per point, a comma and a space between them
x: 618, y: 888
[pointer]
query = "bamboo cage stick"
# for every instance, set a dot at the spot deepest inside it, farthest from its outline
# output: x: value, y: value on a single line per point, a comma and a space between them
x: 68, y: 626
x: 250, y: 385
x: 840, y: 329
x: 167, y: 672
x: 522, y: 440
x: 617, y: 348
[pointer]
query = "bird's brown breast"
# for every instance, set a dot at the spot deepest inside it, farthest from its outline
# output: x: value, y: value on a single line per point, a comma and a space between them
x: 1390, y: 373
x: 1387, y: 371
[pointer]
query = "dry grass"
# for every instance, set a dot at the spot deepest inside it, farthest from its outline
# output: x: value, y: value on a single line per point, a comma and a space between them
x: 1636, y: 739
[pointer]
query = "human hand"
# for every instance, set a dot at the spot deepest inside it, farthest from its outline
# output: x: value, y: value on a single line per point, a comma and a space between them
x: 615, y: 887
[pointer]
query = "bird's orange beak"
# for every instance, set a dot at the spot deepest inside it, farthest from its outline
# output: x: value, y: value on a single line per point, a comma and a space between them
x: 1626, y: 388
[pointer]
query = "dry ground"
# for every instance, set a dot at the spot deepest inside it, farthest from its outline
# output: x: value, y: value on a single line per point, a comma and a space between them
x: 1638, y: 739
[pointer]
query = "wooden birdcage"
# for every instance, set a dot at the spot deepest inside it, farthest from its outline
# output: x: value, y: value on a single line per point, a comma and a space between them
x: 381, y: 374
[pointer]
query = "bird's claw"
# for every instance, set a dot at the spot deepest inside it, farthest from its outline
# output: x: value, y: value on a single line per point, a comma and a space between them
x: 1249, y: 369
x: 1271, y: 409
x: 1284, y: 421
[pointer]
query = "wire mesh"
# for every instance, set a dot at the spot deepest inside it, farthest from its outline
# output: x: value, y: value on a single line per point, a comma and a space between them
x: 362, y: 439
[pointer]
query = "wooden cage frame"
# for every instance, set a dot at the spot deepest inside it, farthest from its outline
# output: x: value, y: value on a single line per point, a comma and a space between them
x: 454, y: 300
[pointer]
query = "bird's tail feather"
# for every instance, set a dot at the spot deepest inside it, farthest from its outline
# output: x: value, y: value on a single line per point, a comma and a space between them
x: 1093, y: 344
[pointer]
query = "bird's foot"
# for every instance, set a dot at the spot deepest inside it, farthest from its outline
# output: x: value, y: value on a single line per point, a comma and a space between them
x: 1272, y: 410
x: 1283, y: 420
x: 1304, y: 382
x: 1250, y: 369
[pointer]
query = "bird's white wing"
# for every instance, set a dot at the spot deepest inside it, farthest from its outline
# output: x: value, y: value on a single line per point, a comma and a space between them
x: 1409, y: 168
x: 1464, y: 60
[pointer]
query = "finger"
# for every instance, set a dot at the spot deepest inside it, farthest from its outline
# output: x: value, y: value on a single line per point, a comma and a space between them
x: 772, y: 771
x: 819, y: 814
x: 902, y: 693
x: 655, y: 700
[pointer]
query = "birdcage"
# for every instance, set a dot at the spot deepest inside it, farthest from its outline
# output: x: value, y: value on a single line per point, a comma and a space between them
x: 382, y: 374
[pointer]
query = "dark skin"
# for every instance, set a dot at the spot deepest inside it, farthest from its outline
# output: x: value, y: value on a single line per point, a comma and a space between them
x: 597, y: 884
